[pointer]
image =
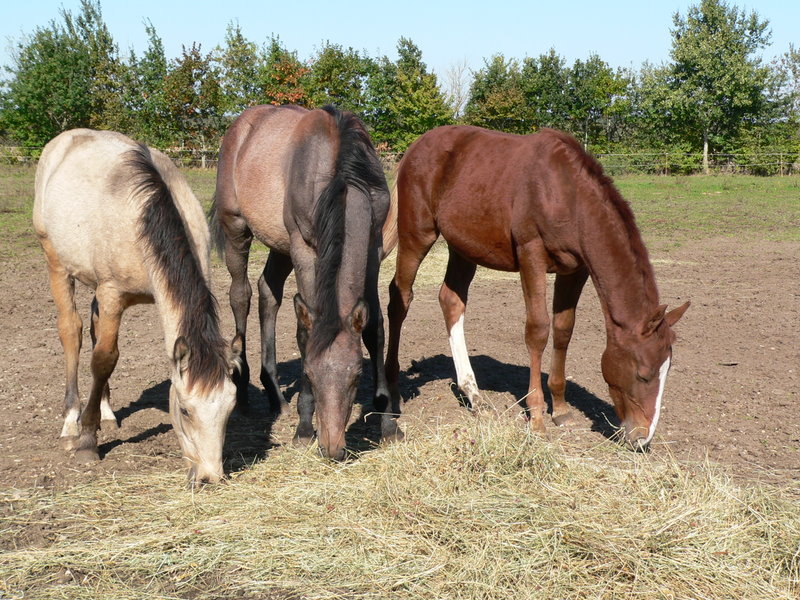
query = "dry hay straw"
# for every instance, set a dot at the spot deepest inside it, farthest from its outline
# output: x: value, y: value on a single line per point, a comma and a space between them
x: 484, y: 510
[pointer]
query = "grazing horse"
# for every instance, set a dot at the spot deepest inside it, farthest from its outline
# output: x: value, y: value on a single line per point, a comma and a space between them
x: 535, y: 204
x: 120, y: 218
x: 310, y: 186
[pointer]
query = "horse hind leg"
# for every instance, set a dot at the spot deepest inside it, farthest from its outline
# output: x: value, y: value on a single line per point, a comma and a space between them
x: 566, y: 293
x: 70, y: 333
x: 104, y: 358
x: 453, y: 301
x: 108, y: 420
x: 411, y: 249
x: 270, y: 295
x: 238, y: 238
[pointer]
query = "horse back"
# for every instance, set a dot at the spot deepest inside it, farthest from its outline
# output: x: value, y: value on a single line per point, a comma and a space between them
x: 488, y: 193
x: 87, y: 208
x: 252, y: 172
x: 461, y: 181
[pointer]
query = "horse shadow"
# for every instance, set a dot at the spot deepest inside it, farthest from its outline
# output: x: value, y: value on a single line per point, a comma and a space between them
x: 248, y: 437
x: 495, y: 376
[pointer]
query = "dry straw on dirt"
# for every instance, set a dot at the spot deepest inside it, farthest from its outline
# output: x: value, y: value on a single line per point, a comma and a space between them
x: 483, y: 510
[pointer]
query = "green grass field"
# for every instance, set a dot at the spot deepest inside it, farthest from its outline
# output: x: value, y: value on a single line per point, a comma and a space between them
x: 668, y: 209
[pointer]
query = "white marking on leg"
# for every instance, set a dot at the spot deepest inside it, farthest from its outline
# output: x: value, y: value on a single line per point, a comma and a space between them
x: 70, y: 428
x: 662, y: 380
x: 106, y: 414
x: 458, y: 347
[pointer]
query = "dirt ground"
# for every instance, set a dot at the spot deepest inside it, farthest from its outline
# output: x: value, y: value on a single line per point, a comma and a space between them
x: 732, y: 394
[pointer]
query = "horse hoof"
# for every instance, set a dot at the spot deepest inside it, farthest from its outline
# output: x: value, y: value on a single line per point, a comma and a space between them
x: 567, y: 419
x: 87, y: 455
x: 109, y: 425
x: 68, y: 442
x: 537, y: 426
x: 392, y: 433
x: 302, y: 441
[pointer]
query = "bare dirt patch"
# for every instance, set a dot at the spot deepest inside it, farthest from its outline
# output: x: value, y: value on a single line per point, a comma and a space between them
x: 731, y: 396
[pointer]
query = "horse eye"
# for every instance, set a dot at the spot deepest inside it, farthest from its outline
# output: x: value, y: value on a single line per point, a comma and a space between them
x: 184, y: 412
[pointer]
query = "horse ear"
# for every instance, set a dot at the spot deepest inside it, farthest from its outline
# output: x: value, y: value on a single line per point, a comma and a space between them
x: 654, y: 321
x: 359, y: 316
x: 675, y: 314
x: 304, y: 314
x: 180, y: 355
x: 237, y: 347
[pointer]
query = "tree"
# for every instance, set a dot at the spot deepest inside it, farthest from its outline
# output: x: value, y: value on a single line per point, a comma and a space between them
x: 715, y: 82
x: 145, y: 97
x: 594, y: 89
x: 545, y: 85
x: 457, y: 87
x: 241, y: 68
x: 194, y: 100
x: 497, y: 99
x: 283, y: 78
x: 339, y: 76
x: 403, y: 99
x: 65, y: 75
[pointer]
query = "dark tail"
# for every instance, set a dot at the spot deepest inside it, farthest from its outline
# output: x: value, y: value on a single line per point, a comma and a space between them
x: 170, y: 251
x: 215, y: 228
x: 356, y: 166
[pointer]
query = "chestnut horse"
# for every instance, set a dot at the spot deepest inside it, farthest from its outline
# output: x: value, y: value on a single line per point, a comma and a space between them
x: 310, y: 186
x: 535, y: 204
x: 121, y: 219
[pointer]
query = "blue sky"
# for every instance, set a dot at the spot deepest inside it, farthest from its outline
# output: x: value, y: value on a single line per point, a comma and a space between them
x: 624, y: 33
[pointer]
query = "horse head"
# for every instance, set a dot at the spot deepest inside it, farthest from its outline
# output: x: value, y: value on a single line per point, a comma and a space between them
x: 333, y: 372
x: 635, y: 365
x: 200, y: 412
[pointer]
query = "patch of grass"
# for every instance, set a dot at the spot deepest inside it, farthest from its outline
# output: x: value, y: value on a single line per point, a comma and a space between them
x: 16, y: 206
x: 485, y: 510
x: 717, y: 205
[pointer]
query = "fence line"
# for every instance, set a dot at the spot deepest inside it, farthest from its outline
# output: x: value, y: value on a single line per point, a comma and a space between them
x: 615, y: 163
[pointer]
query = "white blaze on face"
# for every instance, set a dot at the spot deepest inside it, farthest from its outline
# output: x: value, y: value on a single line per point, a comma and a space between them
x: 662, y: 380
x: 458, y: 346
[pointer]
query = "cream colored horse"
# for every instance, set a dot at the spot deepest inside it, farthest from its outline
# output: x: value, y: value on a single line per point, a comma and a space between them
x: 120, y: 218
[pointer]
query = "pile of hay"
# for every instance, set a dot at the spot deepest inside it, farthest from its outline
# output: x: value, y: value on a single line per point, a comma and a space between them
x: 484, y: 510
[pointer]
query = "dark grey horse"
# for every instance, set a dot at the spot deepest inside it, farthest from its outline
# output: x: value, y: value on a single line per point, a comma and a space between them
x: 309, y: 185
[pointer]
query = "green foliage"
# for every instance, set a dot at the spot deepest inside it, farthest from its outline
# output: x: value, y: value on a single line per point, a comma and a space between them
x: 497, y: 98
x: 339, y: 77
x: 283, y: 78
x: 545, y: 82
x: 403, y: 99
x: 715, y: 84
x: 194, y: 99
x: 240, y: 68
x: 65, y: 75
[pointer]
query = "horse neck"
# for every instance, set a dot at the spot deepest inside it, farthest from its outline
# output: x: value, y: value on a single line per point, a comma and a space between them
x: 619, y: 266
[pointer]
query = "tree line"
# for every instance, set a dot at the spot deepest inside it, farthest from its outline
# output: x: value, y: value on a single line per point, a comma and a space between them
x: 714, y: 95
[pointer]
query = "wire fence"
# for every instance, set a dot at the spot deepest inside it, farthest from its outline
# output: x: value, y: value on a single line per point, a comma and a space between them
x: 755, y: 162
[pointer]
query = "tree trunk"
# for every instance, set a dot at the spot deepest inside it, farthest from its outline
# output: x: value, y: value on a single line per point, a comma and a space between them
x: 705, y: 152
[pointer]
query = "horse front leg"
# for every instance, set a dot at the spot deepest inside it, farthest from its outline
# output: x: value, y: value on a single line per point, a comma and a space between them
x: 237, y: 251
x: 304, y: 261
x: 104, y: 358
x: 453, y: 302
x: 566, y: 293
x: 533, y: 270
x: 374, y: 337
x: 270, y: 296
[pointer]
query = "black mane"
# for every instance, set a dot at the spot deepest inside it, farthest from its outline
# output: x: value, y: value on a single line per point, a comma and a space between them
x: 356, y: 166
x: 163, y: 231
